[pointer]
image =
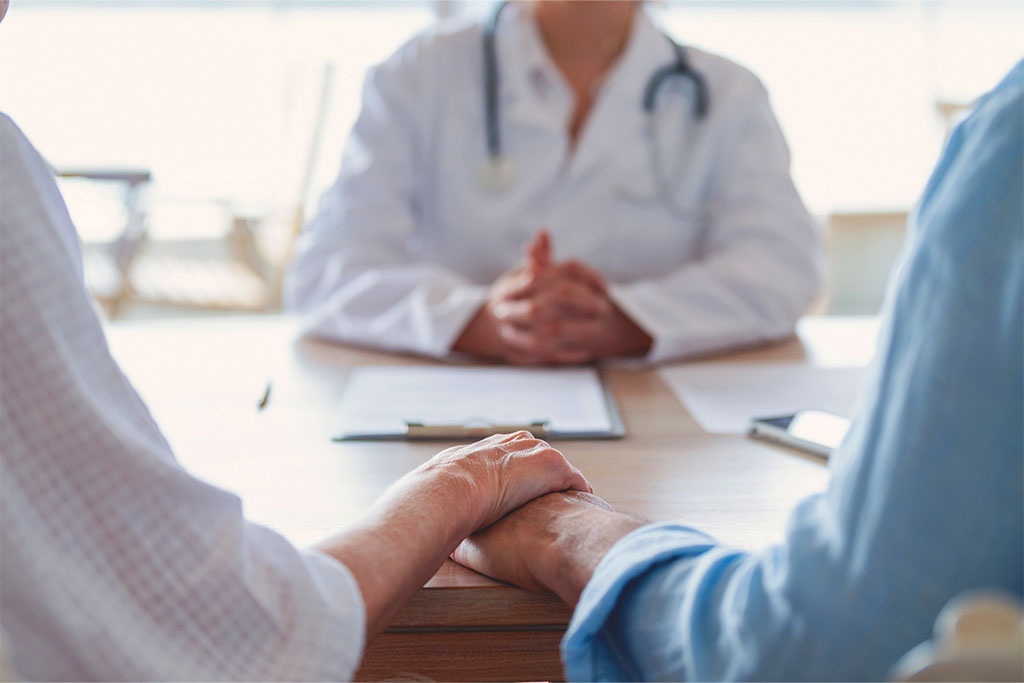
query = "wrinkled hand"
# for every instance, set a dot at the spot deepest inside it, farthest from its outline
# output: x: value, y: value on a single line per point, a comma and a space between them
x: 492, y: 477
x: 546, y: 313
x: 417, y: 523
x: 551, y: 544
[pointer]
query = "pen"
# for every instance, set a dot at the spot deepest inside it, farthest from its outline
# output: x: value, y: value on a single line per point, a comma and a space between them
x: 265, y: 398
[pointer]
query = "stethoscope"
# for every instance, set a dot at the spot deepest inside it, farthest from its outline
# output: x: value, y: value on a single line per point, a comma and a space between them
x: 498, y: 171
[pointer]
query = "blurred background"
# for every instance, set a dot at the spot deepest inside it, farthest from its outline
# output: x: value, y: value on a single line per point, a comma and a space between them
x: 191, y: 137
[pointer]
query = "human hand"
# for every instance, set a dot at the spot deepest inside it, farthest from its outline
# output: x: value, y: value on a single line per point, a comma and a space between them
x: 547, y: 313
x: 496, y: 475
x: 550, y: 544
x: 538, y: 312
x: 411, y: 529
x: 560, y: 313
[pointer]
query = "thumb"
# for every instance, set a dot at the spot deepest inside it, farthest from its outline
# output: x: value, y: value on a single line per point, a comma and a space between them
x: 538, y: 251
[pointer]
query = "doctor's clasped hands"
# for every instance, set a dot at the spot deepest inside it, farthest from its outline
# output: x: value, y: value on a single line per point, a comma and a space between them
x: 543, y: 312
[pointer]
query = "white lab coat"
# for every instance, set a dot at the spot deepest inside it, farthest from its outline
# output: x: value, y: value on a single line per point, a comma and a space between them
x: 406, y: 241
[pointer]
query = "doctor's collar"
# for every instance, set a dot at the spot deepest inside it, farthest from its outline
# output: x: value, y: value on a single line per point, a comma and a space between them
x: 525, y: 63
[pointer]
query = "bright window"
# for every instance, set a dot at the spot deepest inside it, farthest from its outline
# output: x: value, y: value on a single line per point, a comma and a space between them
x: 215, y: 98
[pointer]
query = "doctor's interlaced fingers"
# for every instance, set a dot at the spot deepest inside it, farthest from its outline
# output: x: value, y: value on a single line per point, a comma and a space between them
x: 559, y: 183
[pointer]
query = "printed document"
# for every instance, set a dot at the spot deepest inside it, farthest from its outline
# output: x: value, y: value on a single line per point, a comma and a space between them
x: 723, y: 397
x: 382, y: 399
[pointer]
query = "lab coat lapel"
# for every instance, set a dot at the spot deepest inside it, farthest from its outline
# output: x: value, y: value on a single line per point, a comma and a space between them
x: 521, y: 58
x: 617, y: 115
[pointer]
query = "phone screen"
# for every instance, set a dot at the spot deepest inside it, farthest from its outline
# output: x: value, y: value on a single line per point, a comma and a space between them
x: 817, y: 427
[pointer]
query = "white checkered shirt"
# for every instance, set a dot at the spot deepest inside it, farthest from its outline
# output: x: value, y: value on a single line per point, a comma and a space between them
x: 115, y: 563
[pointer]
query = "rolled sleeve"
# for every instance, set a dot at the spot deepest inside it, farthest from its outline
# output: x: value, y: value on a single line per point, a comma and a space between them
x: 586, y: 653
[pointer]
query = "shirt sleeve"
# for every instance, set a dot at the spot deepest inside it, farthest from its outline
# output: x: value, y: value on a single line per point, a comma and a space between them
x: 925, y: 497
x: 352, y: 278
x: 117, y: 564
x: 763, y: 259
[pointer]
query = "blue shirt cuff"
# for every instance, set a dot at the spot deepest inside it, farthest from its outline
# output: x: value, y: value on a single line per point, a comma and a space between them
x: 585, y: 656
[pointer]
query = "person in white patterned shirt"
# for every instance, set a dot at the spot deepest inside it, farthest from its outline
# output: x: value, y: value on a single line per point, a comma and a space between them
x: 117, y: 564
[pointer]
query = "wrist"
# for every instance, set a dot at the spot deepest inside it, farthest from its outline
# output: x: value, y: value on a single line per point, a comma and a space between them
x: 480, y: 336
x: 569, y: 557
x: 625, y: 337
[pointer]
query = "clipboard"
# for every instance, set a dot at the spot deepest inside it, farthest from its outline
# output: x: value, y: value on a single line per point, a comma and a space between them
x: 465, y: 403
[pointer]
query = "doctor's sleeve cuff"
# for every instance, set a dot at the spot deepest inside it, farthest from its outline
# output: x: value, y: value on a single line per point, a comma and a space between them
x: 464, y: 302
x: 587, y: 653
x: 640, y: 305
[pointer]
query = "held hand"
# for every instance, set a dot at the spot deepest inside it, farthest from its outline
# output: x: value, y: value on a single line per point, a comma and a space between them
x: 492, y: 477
x: 421, y: 518
x: 551, y: 544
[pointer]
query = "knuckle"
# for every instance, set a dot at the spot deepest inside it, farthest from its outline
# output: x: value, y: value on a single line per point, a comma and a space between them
x: 548, y: 454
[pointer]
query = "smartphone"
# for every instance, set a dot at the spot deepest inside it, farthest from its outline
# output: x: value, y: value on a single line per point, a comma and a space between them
x: 812, y: 431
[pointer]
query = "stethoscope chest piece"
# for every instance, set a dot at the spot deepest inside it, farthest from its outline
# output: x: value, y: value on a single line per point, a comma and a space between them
x: 497, y: 174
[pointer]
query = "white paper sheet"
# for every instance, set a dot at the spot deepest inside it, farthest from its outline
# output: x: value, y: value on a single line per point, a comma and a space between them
x: 723, y: 397
x: 381, y: 399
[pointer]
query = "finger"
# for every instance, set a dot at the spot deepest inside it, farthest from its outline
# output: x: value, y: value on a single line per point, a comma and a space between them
x: 538, y: 251
x: 584, y: 273
x: 588, y: 498
x: 524, y: 341
x: 527, y: 312
x: 573, y: 296
x: 467, y: 554
x: 565, y: 475
x: 571, y: 478
x: 574, y: 356
x: 521, y: 435
x: 514, y: 285
x: 573, y: 334
x: 550, y: 301
x: 502, y: 437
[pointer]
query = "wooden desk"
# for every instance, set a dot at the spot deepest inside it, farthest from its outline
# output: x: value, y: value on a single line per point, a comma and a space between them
x: 202, y: 379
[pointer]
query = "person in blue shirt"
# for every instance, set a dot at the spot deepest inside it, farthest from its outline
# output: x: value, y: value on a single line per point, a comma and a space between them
x: 925, y: 496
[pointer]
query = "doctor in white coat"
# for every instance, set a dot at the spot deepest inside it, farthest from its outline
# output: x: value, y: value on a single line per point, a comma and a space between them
x: 560, y: 183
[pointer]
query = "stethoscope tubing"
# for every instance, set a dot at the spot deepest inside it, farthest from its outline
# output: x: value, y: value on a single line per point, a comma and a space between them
x: 492, y: 79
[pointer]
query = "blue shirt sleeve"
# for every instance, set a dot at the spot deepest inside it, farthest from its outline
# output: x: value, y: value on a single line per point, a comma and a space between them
x: 925, y: 495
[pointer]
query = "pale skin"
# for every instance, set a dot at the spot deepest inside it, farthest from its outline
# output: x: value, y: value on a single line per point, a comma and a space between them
x: 542, y: 312
x: 420, y: 520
